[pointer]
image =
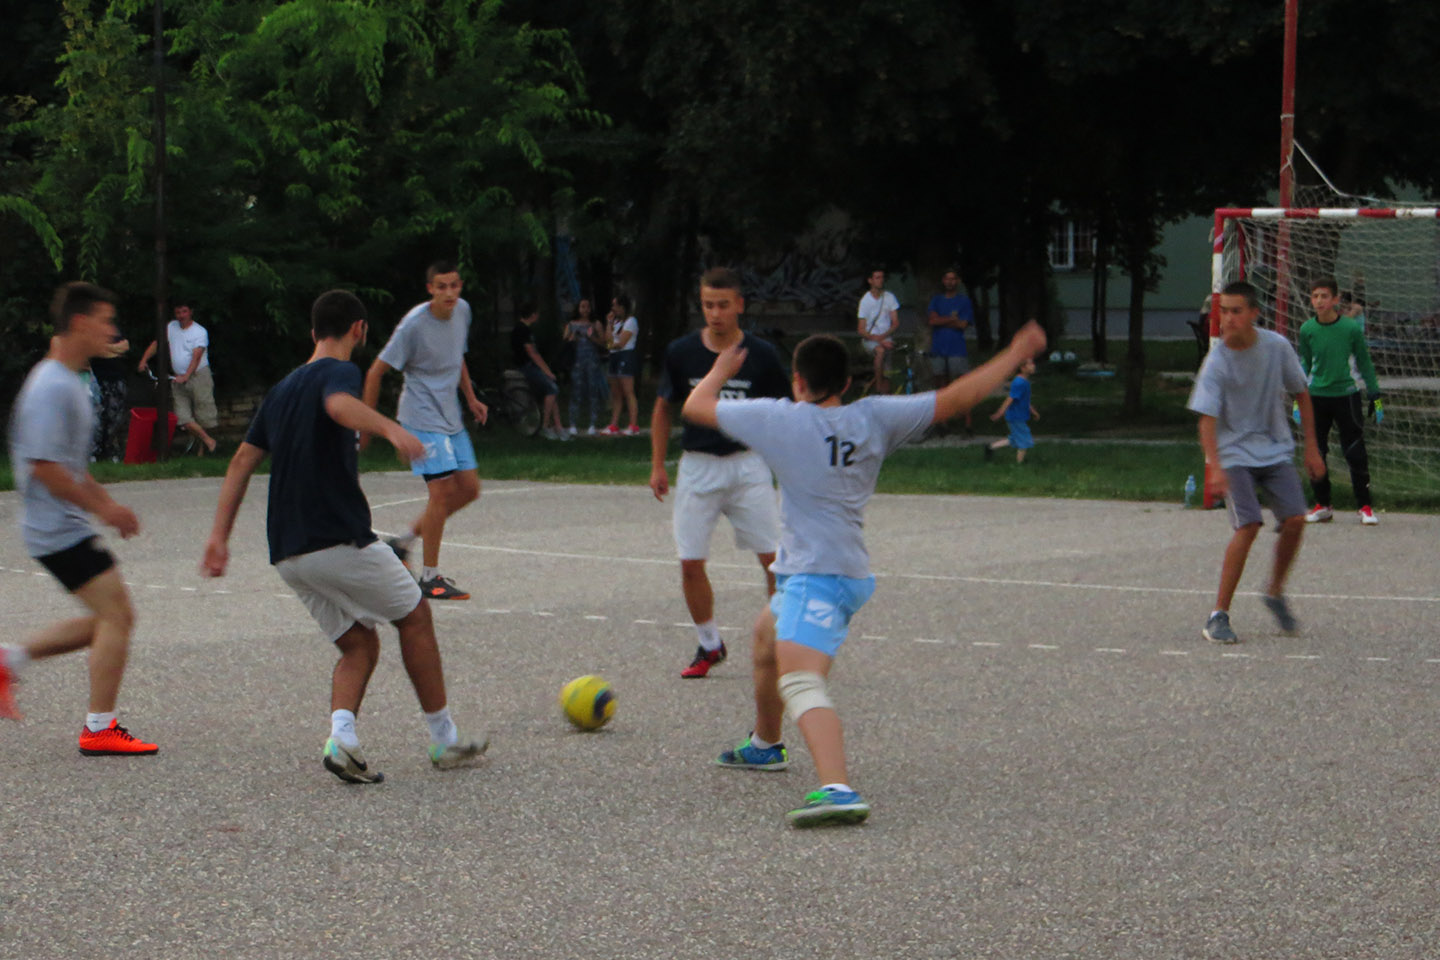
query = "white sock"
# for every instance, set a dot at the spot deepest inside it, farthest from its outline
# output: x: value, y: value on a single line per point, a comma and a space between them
x: 15, y: 659
x: 759, y: 744
x: 95, y: 722
x: 709, y: 635
x: 1213, y: 612
x: 429, y: 573
x: 442, y: 728
x: 836, y: 786
x: 342, y: 729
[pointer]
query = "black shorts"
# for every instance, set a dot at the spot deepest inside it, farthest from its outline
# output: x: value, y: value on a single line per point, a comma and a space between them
x: 78, y: 565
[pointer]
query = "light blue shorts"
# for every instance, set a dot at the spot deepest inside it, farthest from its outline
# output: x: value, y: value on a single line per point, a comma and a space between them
x: 814, y: 609
x: 444, y: 454
x: 1020, y: 437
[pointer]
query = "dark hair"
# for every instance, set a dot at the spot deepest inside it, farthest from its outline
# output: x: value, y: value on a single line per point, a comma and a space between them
x: 439, y: 267
x: 1240, y: 288
x: 720, y: 278
x: 873, y: 271
x: 524, y: 310
x: 824, y: 364
x: 1328, y: 283
x: 179, y: 302
x: 623, y: 300
x: 334, y: 313
x: 76, y: 297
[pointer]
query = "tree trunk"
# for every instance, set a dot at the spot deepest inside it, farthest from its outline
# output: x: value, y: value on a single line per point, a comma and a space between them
x: 1137, y: 255
x: 1099, y: 314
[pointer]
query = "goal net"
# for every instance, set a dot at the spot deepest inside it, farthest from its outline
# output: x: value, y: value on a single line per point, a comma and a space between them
x: 1387, y: 264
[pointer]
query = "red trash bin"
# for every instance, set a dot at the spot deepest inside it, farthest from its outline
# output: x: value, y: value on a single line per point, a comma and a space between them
x: 139, y: 445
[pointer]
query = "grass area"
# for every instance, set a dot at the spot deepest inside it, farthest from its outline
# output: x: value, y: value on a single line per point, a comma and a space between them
x: 1109, y: 463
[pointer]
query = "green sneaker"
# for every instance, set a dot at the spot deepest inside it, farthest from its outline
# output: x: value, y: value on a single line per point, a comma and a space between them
x: 348, y: 764
x: 829, y: 806
x: 462, y: 753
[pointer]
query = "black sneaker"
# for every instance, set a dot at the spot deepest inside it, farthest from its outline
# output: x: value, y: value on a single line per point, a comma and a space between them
x: 1284, y: 619
x: 442, y: 588
x: 1217, y: 629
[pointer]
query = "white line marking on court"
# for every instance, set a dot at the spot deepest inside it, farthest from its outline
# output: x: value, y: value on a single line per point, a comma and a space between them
x: 682, y: 624
x: 724, y: 629
x: 1043, y: 646
x: 495, y: 610
x: 1239, y: 656
x: 950, y: 578
x: 1378, y: 659
x: 986, y: 643
x: 595, y: 616
x: 872, y: 636
x: 190, y: 589
x: 1110, y: 650
x: 649, y: 622
x: 488, y: 493
x: 542, y: 613
x: 927, y: 640
x: 1174, y: 653
x: 155, y: 586
x: 1302, y: 656
x: 1433, y: 661
x: 221, y: 592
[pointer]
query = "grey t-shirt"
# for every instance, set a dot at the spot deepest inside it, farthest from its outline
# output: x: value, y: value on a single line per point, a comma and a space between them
x: 52, y: 420
x: 827, y: 460
x: 1247, y: 392
x: 430, y: 352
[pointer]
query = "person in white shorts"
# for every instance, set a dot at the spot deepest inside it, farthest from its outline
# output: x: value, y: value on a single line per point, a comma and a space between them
x: 717, y: 476
x: 879, y: 317
x: 321, y: 544
x: 827, y: 457
x: 428, y: 346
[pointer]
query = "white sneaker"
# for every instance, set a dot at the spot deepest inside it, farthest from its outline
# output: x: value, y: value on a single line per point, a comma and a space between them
x: 591, y: 432
x: 1367, y: 516
x: 1319, y: 514
x: 572, y: 431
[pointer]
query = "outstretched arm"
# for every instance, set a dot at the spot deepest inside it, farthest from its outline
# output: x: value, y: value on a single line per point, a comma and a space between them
x: 659, y: 446
x: 965, y: 392
x: 232, y: 494
x: 347, y: 411
x: 699, y: 407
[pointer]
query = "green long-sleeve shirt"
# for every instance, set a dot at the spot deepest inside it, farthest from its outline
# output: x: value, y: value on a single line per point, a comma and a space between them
x: 1325, y: 352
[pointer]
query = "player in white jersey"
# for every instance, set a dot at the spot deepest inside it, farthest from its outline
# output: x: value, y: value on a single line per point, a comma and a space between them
x: 826, y: 457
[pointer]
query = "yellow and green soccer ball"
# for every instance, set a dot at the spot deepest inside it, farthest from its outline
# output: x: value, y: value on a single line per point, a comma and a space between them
x: 588, y: 702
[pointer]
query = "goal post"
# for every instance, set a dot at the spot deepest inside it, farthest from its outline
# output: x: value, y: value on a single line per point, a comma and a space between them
x: 1386, y: 262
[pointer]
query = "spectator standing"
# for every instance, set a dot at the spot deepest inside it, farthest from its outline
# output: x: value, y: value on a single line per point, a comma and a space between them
x: 623, y: 342
x: 538, y: 375
x: 194, y: 388
x: 587, y: 374
x: 950, y: 314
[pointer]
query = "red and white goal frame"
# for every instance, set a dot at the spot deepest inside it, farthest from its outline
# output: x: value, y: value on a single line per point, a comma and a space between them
x: 1225, y: 214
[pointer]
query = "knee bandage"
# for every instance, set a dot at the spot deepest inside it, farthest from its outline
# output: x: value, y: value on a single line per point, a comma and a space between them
x: 803, y: 690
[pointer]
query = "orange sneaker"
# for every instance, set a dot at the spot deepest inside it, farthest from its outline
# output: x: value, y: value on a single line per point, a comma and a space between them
x: 8, y: 710
x: 113, y: 741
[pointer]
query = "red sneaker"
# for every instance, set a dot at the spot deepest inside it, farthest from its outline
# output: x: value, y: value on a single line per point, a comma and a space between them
x: 8, y: 710
x: 113, y: 741
x: 704, y: 660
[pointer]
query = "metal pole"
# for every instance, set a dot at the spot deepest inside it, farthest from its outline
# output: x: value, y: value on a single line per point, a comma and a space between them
x: 161, y: 436
x: 1287, y: 107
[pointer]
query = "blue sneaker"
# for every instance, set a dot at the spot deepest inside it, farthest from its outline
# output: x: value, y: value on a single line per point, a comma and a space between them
x: 747, y: 756
x: 829, y: 806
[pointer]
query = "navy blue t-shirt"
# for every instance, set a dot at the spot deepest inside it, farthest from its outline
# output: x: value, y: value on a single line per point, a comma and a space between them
x: 687, y: 360
x: 315, y: 496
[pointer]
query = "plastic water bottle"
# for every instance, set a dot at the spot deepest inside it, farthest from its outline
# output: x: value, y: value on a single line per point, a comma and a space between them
x: 1189, y: 489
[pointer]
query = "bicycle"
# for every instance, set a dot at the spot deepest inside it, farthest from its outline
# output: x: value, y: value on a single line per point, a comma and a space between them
x: 513, y: 402
x: 902, y: 377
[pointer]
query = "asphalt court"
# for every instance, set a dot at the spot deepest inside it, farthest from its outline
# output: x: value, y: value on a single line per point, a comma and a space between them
x: 1059, y: 765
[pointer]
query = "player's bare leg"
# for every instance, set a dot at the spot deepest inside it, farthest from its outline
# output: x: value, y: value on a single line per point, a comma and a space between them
x: 699, y: 595
x: 1287, y: 547
x: 447, y: 496
x: 1233, y: 565
x: 359, y: 653
x: 114, y: 620
x: 820, y: 725
x: 769, y: 708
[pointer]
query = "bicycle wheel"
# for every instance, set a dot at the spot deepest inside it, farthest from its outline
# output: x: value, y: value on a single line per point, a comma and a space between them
x: 524, y: 411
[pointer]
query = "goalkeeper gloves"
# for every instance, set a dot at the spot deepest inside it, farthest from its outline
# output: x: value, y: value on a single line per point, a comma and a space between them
x: 1378, y: 409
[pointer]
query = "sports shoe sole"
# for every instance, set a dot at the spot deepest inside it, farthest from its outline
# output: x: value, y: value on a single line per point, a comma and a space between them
x: 829, y: 816
x: 760, y: 767
x: 1224, y: 641
x: 118, y: 753
x: 461, y: 757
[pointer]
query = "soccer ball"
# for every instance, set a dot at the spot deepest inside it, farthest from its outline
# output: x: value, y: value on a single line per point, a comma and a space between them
x: 588, y: 702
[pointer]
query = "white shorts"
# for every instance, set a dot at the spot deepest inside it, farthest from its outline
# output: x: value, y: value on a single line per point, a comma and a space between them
x: 740, y: 487
x: 345, y: 585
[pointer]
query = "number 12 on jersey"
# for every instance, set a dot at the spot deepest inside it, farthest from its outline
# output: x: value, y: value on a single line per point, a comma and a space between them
x: 841, y: 451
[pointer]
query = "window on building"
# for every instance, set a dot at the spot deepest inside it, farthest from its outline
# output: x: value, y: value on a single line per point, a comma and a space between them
x: 1072, y: 246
